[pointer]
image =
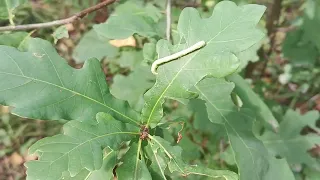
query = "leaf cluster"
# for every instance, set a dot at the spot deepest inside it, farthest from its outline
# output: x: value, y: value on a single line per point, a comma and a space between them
x: 126, y: 131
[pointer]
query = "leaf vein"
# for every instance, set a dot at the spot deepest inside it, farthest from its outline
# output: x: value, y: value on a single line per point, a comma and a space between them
x: 54, y: 67
x: 75, y: 92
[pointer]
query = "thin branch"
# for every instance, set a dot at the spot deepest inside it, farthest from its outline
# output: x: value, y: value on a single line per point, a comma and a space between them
x: 168, y: 12
x: 75, y: 17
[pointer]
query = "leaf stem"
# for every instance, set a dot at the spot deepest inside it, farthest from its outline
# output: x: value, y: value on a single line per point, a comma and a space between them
x: 10, y: 15
x: 168, y: 13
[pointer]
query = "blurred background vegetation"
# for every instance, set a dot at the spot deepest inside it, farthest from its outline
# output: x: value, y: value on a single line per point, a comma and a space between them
x: 284, y: 70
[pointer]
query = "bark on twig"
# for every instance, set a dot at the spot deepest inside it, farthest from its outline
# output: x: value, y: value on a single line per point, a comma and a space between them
x: 75, y: 17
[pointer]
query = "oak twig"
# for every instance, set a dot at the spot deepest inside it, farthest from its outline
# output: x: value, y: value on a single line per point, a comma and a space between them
x: 68, y: 20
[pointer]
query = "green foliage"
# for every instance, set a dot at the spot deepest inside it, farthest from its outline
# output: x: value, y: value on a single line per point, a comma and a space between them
x: 250, y: 154
x: 132, y: 87
x: 166, y: 155
x: 298, y: 49
x: 175, y: 79
x: 13, y: 39
x: 149, y: 52
x: 288, y: 141
x: 79, y: 147
x: 248, y: 55
x: 302, y: 45
x: 74, y: 94
x: 253, y: 102
x: 92, y: 45
x: 311, y: 174
x: 130, y: 18
x: 279, y: 169
x: 129, y: 59
x: 109, y: 161
x: 201, y: 120
x: 134, y: 130
x: 59, y: 33
x: 133, y: 167
x: 7, y: 8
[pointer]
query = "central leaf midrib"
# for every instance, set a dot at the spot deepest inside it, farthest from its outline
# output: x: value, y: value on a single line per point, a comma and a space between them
x: 74, y: 92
